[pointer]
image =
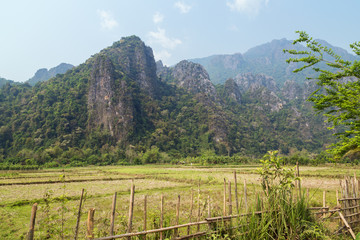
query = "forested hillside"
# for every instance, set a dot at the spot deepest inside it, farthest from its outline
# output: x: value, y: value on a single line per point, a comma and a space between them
x: 122, y: 107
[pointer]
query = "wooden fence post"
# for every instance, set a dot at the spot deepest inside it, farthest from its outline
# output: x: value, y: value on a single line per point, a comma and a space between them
x: 131, y: 207
x: 324, y: 203
x: 176, y: 233
x: 230, y: 200
x: 224, y: 207
x: 145, y: 212
x: 298, y: 175
x: 78, y: 215
x: 90, y: 223
x: 230, y: 209
x: 161, y: 215
x: 112, y: 219
x: 198, y: 213
x: 32, y: 222
x: 236, y: 194
x: 209, y: 211
x: 191, y: 209
x: 245, y: 196
x: 209, y: 207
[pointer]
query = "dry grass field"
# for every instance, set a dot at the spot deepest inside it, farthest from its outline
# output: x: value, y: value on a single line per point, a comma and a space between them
x: 57, y: 193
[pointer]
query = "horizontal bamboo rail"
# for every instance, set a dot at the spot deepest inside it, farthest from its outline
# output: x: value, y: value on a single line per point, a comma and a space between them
x: 198, y: 234
x: 318, y: 208
x: 347, y: 199
x: 151, y: 231
x: 206, y: 221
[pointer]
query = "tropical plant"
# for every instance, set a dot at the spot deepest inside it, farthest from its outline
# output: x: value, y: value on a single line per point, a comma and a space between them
x: 338, y: 93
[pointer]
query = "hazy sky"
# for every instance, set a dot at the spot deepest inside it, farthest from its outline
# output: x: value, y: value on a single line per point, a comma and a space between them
x: 43, y: 33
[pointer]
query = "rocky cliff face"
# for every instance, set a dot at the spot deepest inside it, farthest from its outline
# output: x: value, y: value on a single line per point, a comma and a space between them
x: 193, y: 77
x: 121, y: 74
x: 252, y: 82
x: 136, y: 60
x: 109, y: 106
x: 232, y: 90
x: 292, y: 90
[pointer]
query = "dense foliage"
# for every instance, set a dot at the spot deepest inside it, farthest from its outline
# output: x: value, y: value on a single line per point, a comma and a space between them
x: 50, y: 124
x: 338, y: 93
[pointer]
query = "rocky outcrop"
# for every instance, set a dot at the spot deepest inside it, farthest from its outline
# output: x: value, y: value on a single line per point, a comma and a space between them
x: 193, y: 77
x: 43, y: 74
x: 109, y: 108
x: 252, y: 82
x: 136, y: 61
x: 232, y: 90
x: 292, y: 90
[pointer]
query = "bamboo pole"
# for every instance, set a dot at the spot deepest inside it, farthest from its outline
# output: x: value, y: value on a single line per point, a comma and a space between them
x: 230, y: 200
x: 198, y: 213
x: 245, y: 196
x: 191, y: 210
x: 112, y: 219
x: 347, y: 192
x: 145, y: 212
x: 209, y: 210
x: 90, y: 223
x: 224, y: 206
x: 78, y: 215
x: 206, y: 221
x: 131, y: 206
x: 298, y: 175
x: 236, y: 194
x: 324, y: 202
x: 337, y: 198
x: 354, y: 185
x: 176, y: 233
x: 145, y: 216
x: 230, y: 208
x: 161, y: 215
x: 32, y: 222
x: 347, y: 225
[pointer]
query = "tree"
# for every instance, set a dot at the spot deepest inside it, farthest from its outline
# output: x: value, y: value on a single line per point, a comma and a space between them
x: 338, y: 94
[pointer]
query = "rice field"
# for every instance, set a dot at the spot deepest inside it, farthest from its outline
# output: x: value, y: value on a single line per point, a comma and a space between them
x: 57, y: 192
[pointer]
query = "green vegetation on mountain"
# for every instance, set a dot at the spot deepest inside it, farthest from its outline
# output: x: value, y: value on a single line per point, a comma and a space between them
x: 338, y: 91
x: 120, y: 107
x: 4, y: 81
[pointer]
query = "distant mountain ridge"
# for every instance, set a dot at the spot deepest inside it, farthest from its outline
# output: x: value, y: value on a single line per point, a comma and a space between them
x: 4, y: 81
x: 267, y: 58
x: 44, y: 74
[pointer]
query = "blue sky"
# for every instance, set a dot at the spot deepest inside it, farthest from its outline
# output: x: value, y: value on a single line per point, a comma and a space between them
x: 43, y: 33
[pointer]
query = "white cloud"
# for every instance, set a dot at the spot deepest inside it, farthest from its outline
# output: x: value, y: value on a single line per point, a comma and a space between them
x: 250, y: 7
x: 162, y: 55
x: 107, y: 20
x: 233, y: 28
x: 158, y: 17
x: 161, y: 38
x: 183, y: 7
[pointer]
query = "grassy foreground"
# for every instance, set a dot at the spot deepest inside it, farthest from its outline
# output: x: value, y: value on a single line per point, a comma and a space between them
x: 57, y: 192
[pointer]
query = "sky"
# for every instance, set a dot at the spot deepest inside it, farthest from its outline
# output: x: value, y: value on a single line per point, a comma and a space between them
x: 44, y: 33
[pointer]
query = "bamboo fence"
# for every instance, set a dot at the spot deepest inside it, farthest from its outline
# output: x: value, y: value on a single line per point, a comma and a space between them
x: 346, y: 213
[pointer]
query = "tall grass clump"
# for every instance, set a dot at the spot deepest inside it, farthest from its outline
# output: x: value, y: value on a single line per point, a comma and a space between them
x: 284, y: 216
